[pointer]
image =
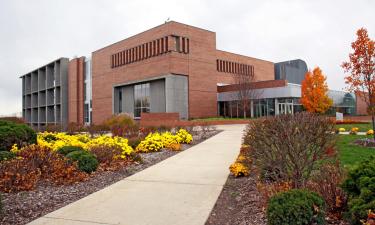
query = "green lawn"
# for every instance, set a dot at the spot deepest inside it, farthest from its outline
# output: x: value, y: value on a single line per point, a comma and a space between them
x: 351, y: 153
x: 362, y: 127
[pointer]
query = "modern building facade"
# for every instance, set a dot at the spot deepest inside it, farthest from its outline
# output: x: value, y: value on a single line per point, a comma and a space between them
x: 45, y: 94
x: 173, y: 67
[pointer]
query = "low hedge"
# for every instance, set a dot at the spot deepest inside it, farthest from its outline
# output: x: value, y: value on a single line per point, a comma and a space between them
x: 86, y: 161
x: 360, y: 186
x: 296, y: 207
x: 14, y: 133
x: 65, y: 150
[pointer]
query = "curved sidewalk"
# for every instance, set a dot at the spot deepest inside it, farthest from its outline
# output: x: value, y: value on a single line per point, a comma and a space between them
x: 181, y: 190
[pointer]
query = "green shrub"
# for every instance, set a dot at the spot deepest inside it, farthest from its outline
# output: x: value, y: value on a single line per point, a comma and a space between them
x: 290, y: 147
x: 296, y: 207
x: 360, y: 186
x: 65, y: 150
x: 86, y: 161
x: 12, y: 133
x: 5, y: 155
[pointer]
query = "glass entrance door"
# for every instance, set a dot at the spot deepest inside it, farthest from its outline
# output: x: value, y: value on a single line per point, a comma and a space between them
x: 285, y: 108
x: 260, y: 108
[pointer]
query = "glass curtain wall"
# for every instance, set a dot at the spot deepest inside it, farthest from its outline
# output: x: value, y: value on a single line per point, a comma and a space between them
x: 141, y: 99
x: 261, y: 107
x: 264, y: 107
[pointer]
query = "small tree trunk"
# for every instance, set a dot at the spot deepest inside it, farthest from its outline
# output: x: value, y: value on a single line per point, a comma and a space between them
x: 373, y: 122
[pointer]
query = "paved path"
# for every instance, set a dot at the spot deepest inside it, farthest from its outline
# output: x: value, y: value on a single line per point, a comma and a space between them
x: 180, y: 190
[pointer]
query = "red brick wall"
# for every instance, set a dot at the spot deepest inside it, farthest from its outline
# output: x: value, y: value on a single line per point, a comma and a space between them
x: 256, y: 85
x: 158, y: 119
x: 263, y: 70
x: 199, y: 65
x: 76, y: 97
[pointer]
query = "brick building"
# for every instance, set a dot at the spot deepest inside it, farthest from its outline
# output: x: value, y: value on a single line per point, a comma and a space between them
x: 173, y: 67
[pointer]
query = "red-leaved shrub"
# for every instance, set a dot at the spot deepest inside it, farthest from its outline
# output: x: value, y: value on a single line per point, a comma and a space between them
x: 35, y: 163
x: 18, y: 175
x: 326, y: 181
x: 52, y: 166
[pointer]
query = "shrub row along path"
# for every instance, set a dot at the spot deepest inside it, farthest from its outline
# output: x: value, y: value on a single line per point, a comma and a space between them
x: 181, y: 190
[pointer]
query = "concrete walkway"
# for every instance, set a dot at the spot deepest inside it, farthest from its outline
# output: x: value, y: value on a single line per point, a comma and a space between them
x: 182, y: 189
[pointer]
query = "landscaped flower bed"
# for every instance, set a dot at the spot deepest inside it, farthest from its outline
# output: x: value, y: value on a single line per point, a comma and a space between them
x: 60, y: 168
x: 295, y: 177
x: 75, y: 153
x: 366, y: 142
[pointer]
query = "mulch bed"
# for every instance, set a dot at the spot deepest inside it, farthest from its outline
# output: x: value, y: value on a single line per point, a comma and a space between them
x: 23, y: 207
x: 238, y: 204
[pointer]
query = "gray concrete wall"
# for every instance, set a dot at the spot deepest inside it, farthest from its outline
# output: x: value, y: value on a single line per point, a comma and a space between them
x: 176, y: 89
x: 64, y: 63
x: 127, y: 103
x: 157, y: 95
x: 128, y: 100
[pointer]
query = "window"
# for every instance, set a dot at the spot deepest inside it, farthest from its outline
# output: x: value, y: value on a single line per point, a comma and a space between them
x: 140, y: 52
x: 153, y: 48
x: 166, y: 44
x: 183, y: 45
x: 120, y: 101
x: 143, y: 52
x: 141, y: 99
x: 146, y: 50
x: 177, y: 43
x: 132, y: 56
x: 150, y: 49
x: 158, y: 48
x: 84, y: 91
x: 86, y: 113
x: 162, y: 45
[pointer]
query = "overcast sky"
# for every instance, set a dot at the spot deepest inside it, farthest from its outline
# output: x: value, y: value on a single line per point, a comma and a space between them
x: 35, y: 32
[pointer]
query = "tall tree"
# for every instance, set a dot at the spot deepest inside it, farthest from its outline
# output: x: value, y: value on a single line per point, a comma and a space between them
x: 246, y: 91
x: 361, y: 69
x: 314, y: 92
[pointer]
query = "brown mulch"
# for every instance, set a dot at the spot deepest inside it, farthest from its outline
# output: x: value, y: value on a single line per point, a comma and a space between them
x: 238, y: 204
x: 23, y: 207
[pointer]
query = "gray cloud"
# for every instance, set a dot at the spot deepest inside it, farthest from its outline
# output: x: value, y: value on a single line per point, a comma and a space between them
x: 36, y: 32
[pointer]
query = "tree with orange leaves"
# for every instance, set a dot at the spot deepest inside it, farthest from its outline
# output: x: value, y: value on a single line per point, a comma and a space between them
x: 314, y: 92
x: 361, y: 69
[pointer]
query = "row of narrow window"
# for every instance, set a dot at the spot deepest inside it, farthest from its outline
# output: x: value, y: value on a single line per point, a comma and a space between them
x: 150, y: 49
x: 181, y: 44
x: 140, y: 52
x: 233, y: 67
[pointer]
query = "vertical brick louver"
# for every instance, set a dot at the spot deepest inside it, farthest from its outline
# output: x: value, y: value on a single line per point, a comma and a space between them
x: 147, y: 50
